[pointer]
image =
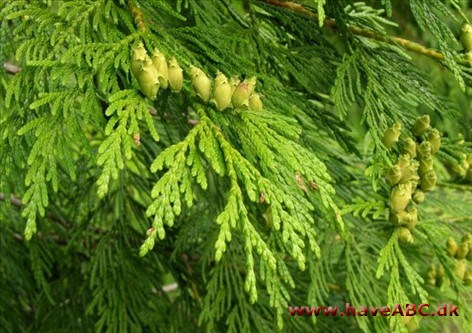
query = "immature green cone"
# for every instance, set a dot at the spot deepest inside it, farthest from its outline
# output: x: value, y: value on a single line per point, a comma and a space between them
x: 399, y: 219
x: 466, y: 36
x: 400, y: 197
x: 251, y: 83
x: 409, y: 147
x: 431, y: 272
x: 426, y: 165
x: 440, y: 271
x: 409, y: 172
x: 412, y: 218
x: 148, y: 79
x: 467, y: 238
x: 394, y: 174
x: 424, y: 150
x: 434, y: 138
x: 241, y: 95
x: 451, y: 247
x: 404, y: 235
x: 137, y: 59
x: 201, y: 83
x: 159, y: 61
x: 391, y: 135
x: 428, y: 181
x: 176, y: 77
x: 460, y: 268
x: 418, y: 196
x: 222, y: 92
x: 421, y: 125
x: 234, y: 82
x: 255, y: 102
x: 468, y: 277
x: 462, y: 251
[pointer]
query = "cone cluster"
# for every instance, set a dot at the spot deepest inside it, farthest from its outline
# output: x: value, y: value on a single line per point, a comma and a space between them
x: 155, y: 72
x: 412, y: 175
x: 462, y: 253
x: 462, y: 169
x: 226, y: 93
x: 466, y: 40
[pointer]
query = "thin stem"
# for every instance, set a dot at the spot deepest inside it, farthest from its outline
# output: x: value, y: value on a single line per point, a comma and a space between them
x: 331, y: 23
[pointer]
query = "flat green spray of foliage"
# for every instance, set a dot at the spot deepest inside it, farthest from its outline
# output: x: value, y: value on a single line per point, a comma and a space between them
x: 129, y: 210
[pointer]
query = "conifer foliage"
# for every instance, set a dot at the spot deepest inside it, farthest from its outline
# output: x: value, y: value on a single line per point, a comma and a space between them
x: 187, y: 166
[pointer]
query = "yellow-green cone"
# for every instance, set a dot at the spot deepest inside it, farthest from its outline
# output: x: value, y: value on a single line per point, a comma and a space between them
x: 148, y: 79
x: 468, y: 277
x: 434, y: 138
x: 394, y: 174
x: 460, y: 268
x: 391, y: 135
x: 409, y: 172
x: 421, y: 125
x: 418, y: 196
x: 412, y: 218
x: 176, y: 77
x: 160, y: 62
x: 440, y: 271
x: 400, y: 197
x: 466, y: 36
x: 409, y: 147
x: 426, y: 165
x: 201, y: 83
x: 399, y: 219
x: 451, y: 247
x: 404, y: 235
x: 251, y: 83
x: 462, y: 251
x: 222, y: 92
x: 137, y: 59
x: 428, y: 181
x: 423, y: 150
x: 255, y: 103
x: 241, y: 95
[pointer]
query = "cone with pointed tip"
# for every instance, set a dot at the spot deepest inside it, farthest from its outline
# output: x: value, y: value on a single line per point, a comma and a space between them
x: 222, y: 92
x: 255, y: 102
x: 176, y: 77
x: 423, y: 150
x: 159, y: 61
x: 460, y: 268
x: 421, y: 125
x: 201, y: 83
x: 394, y: 174
x: 409, y: 147
x: 468, y: 277
x: 466, y: 36
x: 426, y: 165
x: 428, y: 181
x: 391, y: 135
x: 400, y: 197
x: 148, y: 79
x: 409, y: 172
x: 418, y: 196
x: 451, y: 247
x: 434, y: 138
x: 137, y: 59
x: 405, y: 235
x: 251, y: 83
x: 412, y: 218
x: 462, y: 251
x: 241, y: 95
x: 399, y: 219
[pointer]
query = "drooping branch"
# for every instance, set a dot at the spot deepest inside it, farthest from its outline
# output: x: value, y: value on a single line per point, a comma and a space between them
x: 331, y: 23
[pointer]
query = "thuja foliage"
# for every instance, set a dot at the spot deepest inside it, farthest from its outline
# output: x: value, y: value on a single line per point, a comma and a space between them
x: 178, y: 166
